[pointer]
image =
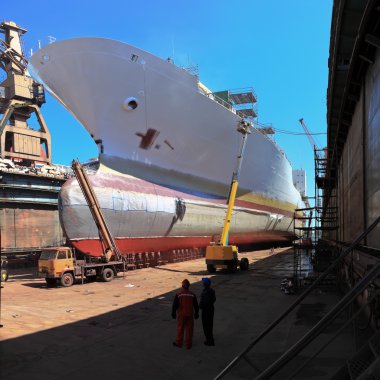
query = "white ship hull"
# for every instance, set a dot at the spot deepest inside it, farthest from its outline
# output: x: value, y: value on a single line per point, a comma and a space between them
x: 191, y: 152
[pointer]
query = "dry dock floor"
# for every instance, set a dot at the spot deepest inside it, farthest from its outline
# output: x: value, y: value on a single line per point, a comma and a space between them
x: 124, y: 329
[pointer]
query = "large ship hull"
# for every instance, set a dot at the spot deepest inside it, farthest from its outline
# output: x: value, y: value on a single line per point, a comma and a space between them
x: 166, y: 146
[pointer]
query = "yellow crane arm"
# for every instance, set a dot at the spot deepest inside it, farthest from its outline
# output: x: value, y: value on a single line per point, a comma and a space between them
x: 227, y: 221
x: 245, y: 129
x: 222, y: 255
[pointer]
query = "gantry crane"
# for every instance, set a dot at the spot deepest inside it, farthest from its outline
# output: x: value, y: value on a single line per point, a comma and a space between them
x: 20, y: 97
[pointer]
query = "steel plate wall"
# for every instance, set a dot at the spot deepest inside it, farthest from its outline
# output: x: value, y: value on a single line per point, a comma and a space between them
x: 352, y: 180
x: 24, y: 229
x: 373, y: 150
x: 358, y: 184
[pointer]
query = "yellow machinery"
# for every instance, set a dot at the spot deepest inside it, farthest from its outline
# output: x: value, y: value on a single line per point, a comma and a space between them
x: 4, y: 271
x: 58, y: 263
x: 222, y: 255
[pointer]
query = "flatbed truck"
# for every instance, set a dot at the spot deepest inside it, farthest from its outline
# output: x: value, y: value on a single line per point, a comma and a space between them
x: 59, y: 265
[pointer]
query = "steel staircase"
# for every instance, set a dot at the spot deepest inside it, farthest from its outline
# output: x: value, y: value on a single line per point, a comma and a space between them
x: 365, y: 364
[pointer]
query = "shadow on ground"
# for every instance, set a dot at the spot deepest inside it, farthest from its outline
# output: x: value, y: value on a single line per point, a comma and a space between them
x: 135, y: 342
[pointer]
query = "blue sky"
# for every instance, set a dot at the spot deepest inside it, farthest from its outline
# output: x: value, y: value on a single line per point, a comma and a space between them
x: 279, y: 47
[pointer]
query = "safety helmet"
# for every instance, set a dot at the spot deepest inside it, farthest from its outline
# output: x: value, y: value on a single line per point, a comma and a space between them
x: 206, y: 281
x: 185, y: 283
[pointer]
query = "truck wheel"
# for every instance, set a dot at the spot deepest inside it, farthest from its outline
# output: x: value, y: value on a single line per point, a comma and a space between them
x: 51, y: 281
x: 211, y: 268
x: 67, y: 280
x: 4, y: 275
x: 108, y: 275
x: 244, y: 263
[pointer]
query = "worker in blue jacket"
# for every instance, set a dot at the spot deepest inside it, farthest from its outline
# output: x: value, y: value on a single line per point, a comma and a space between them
x: 207, y: 306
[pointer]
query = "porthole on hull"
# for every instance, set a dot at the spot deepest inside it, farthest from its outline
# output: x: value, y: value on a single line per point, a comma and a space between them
x: 130, y: 104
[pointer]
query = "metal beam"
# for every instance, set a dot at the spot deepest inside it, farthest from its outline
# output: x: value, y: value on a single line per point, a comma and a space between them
x: 6, y: 116
x: 296, y: 303
x: 26, y: 156
x: 322, y: 324
x: 366, y: 59
x: 372, y: 40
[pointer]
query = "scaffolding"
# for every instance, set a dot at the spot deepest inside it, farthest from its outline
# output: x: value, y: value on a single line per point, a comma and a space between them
x: 311, y: 223
x: 325, y: 209
x: 243, y: 101
x: 323, y: 215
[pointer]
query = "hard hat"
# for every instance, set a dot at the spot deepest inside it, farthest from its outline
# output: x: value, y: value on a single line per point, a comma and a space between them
x: 206, y: 281
x: 185, y: 283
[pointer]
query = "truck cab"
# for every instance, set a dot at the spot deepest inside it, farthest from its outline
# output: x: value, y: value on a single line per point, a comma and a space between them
x: 57, y: 263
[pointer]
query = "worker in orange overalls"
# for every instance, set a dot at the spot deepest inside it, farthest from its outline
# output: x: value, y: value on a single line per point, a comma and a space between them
x: 185, y: 309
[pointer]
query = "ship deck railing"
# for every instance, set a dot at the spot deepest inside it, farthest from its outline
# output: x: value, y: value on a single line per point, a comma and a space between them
x: 255, y: 124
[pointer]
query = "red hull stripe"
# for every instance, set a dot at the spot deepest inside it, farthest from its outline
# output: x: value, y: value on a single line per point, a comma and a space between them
x: 93, y: 247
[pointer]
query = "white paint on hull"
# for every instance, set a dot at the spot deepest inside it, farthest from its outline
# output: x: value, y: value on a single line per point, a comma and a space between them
x: 194, y: 148
x: 93, y: 77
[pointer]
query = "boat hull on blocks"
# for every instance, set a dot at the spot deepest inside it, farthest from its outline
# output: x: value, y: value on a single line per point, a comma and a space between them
x: 146, y: 217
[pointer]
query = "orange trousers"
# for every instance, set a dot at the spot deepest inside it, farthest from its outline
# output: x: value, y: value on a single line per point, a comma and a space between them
x: 185, y: 325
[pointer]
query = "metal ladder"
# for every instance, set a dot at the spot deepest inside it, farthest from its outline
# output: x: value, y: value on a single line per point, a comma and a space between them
x: 365, y: 364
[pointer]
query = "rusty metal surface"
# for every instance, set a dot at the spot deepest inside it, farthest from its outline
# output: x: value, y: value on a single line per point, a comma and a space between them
x: 28, y: 228
x: 29, y: 216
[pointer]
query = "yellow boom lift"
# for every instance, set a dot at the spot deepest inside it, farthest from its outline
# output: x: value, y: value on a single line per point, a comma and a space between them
x: 220, y: 254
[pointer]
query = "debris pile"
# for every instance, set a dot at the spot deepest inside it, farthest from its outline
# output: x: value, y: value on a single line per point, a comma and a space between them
x: 54, y: 171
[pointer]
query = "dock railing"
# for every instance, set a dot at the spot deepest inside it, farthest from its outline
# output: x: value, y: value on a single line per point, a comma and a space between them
x: 315, y: 331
